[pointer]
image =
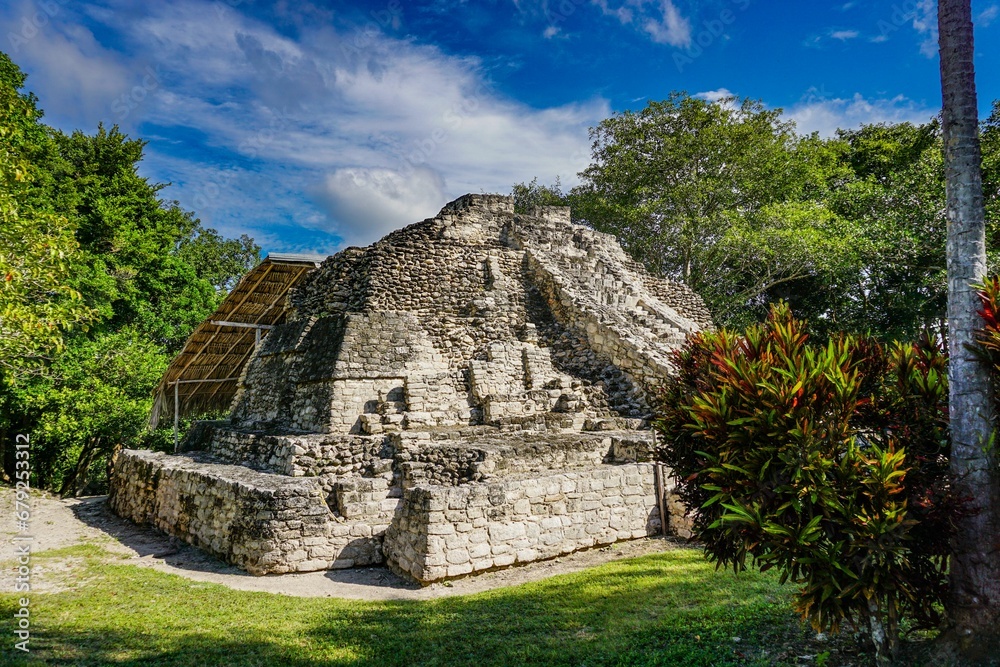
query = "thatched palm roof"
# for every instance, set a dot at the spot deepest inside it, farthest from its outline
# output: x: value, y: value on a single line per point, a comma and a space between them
x: 204, y: 375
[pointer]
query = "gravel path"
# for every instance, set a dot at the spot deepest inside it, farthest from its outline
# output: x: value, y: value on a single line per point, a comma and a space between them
x: 60, y: 523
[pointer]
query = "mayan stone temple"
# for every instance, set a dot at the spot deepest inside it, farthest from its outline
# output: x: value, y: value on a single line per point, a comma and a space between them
x: 469, y: 393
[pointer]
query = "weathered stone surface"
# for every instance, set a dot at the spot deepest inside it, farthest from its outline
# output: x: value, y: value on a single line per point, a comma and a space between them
x: 468, y: 393
x: 259, y: 521
x: 526, y: 522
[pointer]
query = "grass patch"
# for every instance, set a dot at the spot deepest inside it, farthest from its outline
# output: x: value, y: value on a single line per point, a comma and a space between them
x: 671, y: 608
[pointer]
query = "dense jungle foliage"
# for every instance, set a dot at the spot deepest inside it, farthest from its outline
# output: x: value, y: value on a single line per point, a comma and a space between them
x: 102, y: 281
x: 727, y: 198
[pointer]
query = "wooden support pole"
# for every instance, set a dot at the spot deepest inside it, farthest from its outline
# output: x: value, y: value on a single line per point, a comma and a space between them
x: 661, y: 496
x: 241, y: 325
x: 177, y: 413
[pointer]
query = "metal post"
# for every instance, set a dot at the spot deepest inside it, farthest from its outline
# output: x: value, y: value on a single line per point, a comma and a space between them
x: 177, y: 413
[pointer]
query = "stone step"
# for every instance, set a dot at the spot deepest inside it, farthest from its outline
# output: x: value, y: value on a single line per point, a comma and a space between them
x: 375, y: 499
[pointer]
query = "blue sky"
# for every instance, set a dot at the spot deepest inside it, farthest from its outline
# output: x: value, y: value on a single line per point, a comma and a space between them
x: 312, y: 125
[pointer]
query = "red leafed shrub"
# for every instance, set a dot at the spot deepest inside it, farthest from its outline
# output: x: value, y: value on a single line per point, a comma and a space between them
x: 827, y: 462
x: 989, y: 336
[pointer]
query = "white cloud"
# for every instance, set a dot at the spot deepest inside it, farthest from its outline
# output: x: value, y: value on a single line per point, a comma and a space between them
x: 375, y: 130
x: 66, y: 61
x: 714, y: 95
x: 922, y: 17
x: 550, y: 32
x: 623, y: 13
x: 378, y: 201
x: 826, y: 116
x: 817, y: 112
x: 925, y: 23
x: 662, y: 20
x: 844, y: 35
x: 266, y: 204
x: 671, y: 29
x: 987, y: 16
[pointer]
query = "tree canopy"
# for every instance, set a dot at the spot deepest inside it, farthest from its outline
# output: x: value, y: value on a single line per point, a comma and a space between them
x: 103, y: 280
x: 728, y: 198
x: 39, y: 303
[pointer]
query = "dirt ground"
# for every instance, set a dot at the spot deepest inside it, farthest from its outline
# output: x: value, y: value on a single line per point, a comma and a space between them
x: 57, y: 523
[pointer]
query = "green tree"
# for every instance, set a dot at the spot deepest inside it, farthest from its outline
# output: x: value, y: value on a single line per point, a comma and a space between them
x: 826, y: 462
x: 991, y: 185
x: 167, y: 272
x: 38, y: 246
x: 895, y: 199
x: 96, y: 396
x: 686, y: 184
x: 529, y: 195
x: 101, y: 280
x: 220, y: 261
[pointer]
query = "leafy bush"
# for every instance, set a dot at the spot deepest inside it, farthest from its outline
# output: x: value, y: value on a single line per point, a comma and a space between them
x: 96, y: 397
x: 989, y: 336
x: 827, y: 462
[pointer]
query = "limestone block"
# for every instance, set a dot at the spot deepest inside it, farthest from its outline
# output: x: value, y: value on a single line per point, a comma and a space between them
x: 504, y: 559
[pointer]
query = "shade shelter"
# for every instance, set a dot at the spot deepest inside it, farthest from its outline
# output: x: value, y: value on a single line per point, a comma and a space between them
x: 204, y: 375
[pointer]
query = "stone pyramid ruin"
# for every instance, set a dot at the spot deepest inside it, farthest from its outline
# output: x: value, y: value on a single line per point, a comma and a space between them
x: 468, y: 393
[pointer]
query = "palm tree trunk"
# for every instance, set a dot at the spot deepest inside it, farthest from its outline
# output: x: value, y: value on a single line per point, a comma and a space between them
x: 974, y: 605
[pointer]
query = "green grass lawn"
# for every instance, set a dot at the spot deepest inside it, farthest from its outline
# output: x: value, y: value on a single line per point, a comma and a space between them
x: 671, y: 608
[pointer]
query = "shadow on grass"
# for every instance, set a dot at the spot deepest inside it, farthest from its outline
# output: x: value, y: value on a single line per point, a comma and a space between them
x: 605, y: 620
x: 666, y: 609
x: 149, y: 542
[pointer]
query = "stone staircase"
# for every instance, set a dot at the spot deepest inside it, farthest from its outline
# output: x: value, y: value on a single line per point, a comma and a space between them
x: 664, y: 330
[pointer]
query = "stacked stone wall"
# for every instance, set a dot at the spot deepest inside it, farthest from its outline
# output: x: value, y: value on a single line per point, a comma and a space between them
x: 444, y: 532
x: 298, y: 455
x: 455, y: 462
x: 263, y: 523
x: 644, y: 366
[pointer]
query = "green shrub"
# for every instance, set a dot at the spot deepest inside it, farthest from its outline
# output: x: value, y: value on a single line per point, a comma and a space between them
x: 826, y: 462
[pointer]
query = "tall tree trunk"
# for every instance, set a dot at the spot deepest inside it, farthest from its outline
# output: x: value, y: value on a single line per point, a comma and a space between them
x: 3, y: 456
x: 974, y: 605
x: 83, y: 476
x: 70, y: 484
